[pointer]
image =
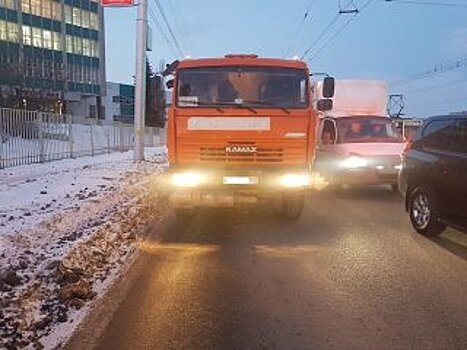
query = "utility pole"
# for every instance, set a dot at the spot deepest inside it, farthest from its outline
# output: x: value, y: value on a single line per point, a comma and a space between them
x: 140, y: 84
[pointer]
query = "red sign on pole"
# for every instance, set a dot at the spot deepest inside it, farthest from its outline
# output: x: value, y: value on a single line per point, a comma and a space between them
x: 117, y: 3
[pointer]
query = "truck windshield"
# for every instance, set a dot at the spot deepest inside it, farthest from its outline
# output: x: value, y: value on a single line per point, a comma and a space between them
x: 367, y: 129
x: 258, y: 87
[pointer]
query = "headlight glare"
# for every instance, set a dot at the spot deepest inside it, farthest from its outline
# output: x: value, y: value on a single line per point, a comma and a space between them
x: 186, y: 179
x: 354, y: 162
x: 295, y: 180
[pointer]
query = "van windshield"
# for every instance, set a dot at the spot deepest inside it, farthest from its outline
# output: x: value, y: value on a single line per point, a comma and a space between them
x: 361, y: 129
x: 258, y: 87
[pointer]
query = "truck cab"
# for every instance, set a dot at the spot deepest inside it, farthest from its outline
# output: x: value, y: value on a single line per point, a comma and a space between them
x: 240, y: 129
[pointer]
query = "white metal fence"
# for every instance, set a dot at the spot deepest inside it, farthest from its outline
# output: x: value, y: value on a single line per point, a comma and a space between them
x: 33, y: 137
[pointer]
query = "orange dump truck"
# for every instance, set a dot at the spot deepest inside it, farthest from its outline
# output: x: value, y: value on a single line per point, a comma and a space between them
x: 240, y: 129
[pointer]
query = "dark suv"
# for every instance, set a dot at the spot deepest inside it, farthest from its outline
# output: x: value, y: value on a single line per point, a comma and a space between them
x: 433, y: 177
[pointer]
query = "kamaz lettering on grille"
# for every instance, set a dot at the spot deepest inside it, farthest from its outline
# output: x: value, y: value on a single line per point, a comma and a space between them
x: 241, y: 149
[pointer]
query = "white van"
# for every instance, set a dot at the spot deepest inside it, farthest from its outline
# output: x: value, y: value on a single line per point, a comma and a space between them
x: 357, y: 142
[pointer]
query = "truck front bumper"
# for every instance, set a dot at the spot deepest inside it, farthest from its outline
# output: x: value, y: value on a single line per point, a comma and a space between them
x: 212, y: 198
x: 227, y: 188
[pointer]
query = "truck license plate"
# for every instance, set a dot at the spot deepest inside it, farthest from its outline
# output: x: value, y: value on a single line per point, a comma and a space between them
x: 240, y: 180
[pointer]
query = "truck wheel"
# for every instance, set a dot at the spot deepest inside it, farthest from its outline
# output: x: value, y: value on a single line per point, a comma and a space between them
x: 184, y: 213
x: 422, y: 211
x: 292, y: 205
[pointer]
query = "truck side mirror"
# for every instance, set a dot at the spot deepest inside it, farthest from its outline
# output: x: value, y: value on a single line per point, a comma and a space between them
x: 328, y: 87
x: 324, y: 105
x: 170, y: 84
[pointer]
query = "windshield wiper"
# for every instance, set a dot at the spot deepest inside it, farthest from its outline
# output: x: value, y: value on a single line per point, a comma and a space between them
x: 239, y: 105
x: 274, y: 105
x: 218, y: 105
x: 210, y: 104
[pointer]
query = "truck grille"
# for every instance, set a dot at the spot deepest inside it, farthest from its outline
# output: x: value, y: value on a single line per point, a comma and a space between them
x: 262, y: 155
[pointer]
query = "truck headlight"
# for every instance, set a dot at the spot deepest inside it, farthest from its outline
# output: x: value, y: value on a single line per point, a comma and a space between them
x: 186, y: 179
x: 295, y: 180
x: 354, y: 162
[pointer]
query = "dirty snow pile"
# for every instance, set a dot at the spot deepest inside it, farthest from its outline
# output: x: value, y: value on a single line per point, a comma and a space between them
x: 67, y: 228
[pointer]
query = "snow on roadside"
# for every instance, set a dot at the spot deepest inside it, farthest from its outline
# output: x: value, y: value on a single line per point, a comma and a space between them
x: 66, y: 229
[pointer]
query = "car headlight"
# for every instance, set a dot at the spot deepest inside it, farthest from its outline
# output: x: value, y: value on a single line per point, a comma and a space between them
x: 186, y: 179
x: 295, y: 180
x: 354, y: 162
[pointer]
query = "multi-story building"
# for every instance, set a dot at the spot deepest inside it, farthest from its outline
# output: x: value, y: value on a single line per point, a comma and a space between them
x: 120, y: 103
x: 52, y: 55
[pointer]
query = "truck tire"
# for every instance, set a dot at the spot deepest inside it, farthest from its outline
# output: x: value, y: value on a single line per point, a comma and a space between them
x: 423, y: 214
x: 292, y: 205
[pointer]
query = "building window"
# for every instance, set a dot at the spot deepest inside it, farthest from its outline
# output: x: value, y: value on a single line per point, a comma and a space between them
x: 27, y: 36
x: 36, y: 7
x: 94, y: 75
x: 56, y: 11
x: 47, y: 37
x: 77, y: 73
x: 46, y: 8
x: 68, y: 14
x: 9, y: 4
x: 94, y: 49
x: 36, y: 37
x: 78, y: 45
x: 56, y: 39
x: 85, y: 19
x: 26, y: 6
x: 12, y: 29
x: 69, y: 43
x: 76, y: 16
x: 3, y: 32
x: 94, y: 21
x: 86, y: 47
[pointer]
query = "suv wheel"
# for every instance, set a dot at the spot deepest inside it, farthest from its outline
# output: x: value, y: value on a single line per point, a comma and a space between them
x: 422, y: 211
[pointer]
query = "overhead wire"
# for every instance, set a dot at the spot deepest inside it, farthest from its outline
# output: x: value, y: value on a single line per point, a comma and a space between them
x: 338, y: 32
x: 297, y: 32
x: 180, y: 24
x: 341, y: 29
x: 322, y: 33
x: 169, y: 28
x: 161, y: 31
x: 439, y: 69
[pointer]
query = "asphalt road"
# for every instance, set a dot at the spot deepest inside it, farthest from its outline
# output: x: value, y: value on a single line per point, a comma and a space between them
x: 350, y: 274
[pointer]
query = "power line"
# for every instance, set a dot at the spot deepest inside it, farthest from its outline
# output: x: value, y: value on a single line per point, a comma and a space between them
x: 167, y: 24
x: 299, y: 27
x: 184, y: 25
x: 161, y: 31
x: 318, y: 38
x: 428, y: 3
x: 180, y: 24
x: 439, y: 69
x: 342, y: 28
